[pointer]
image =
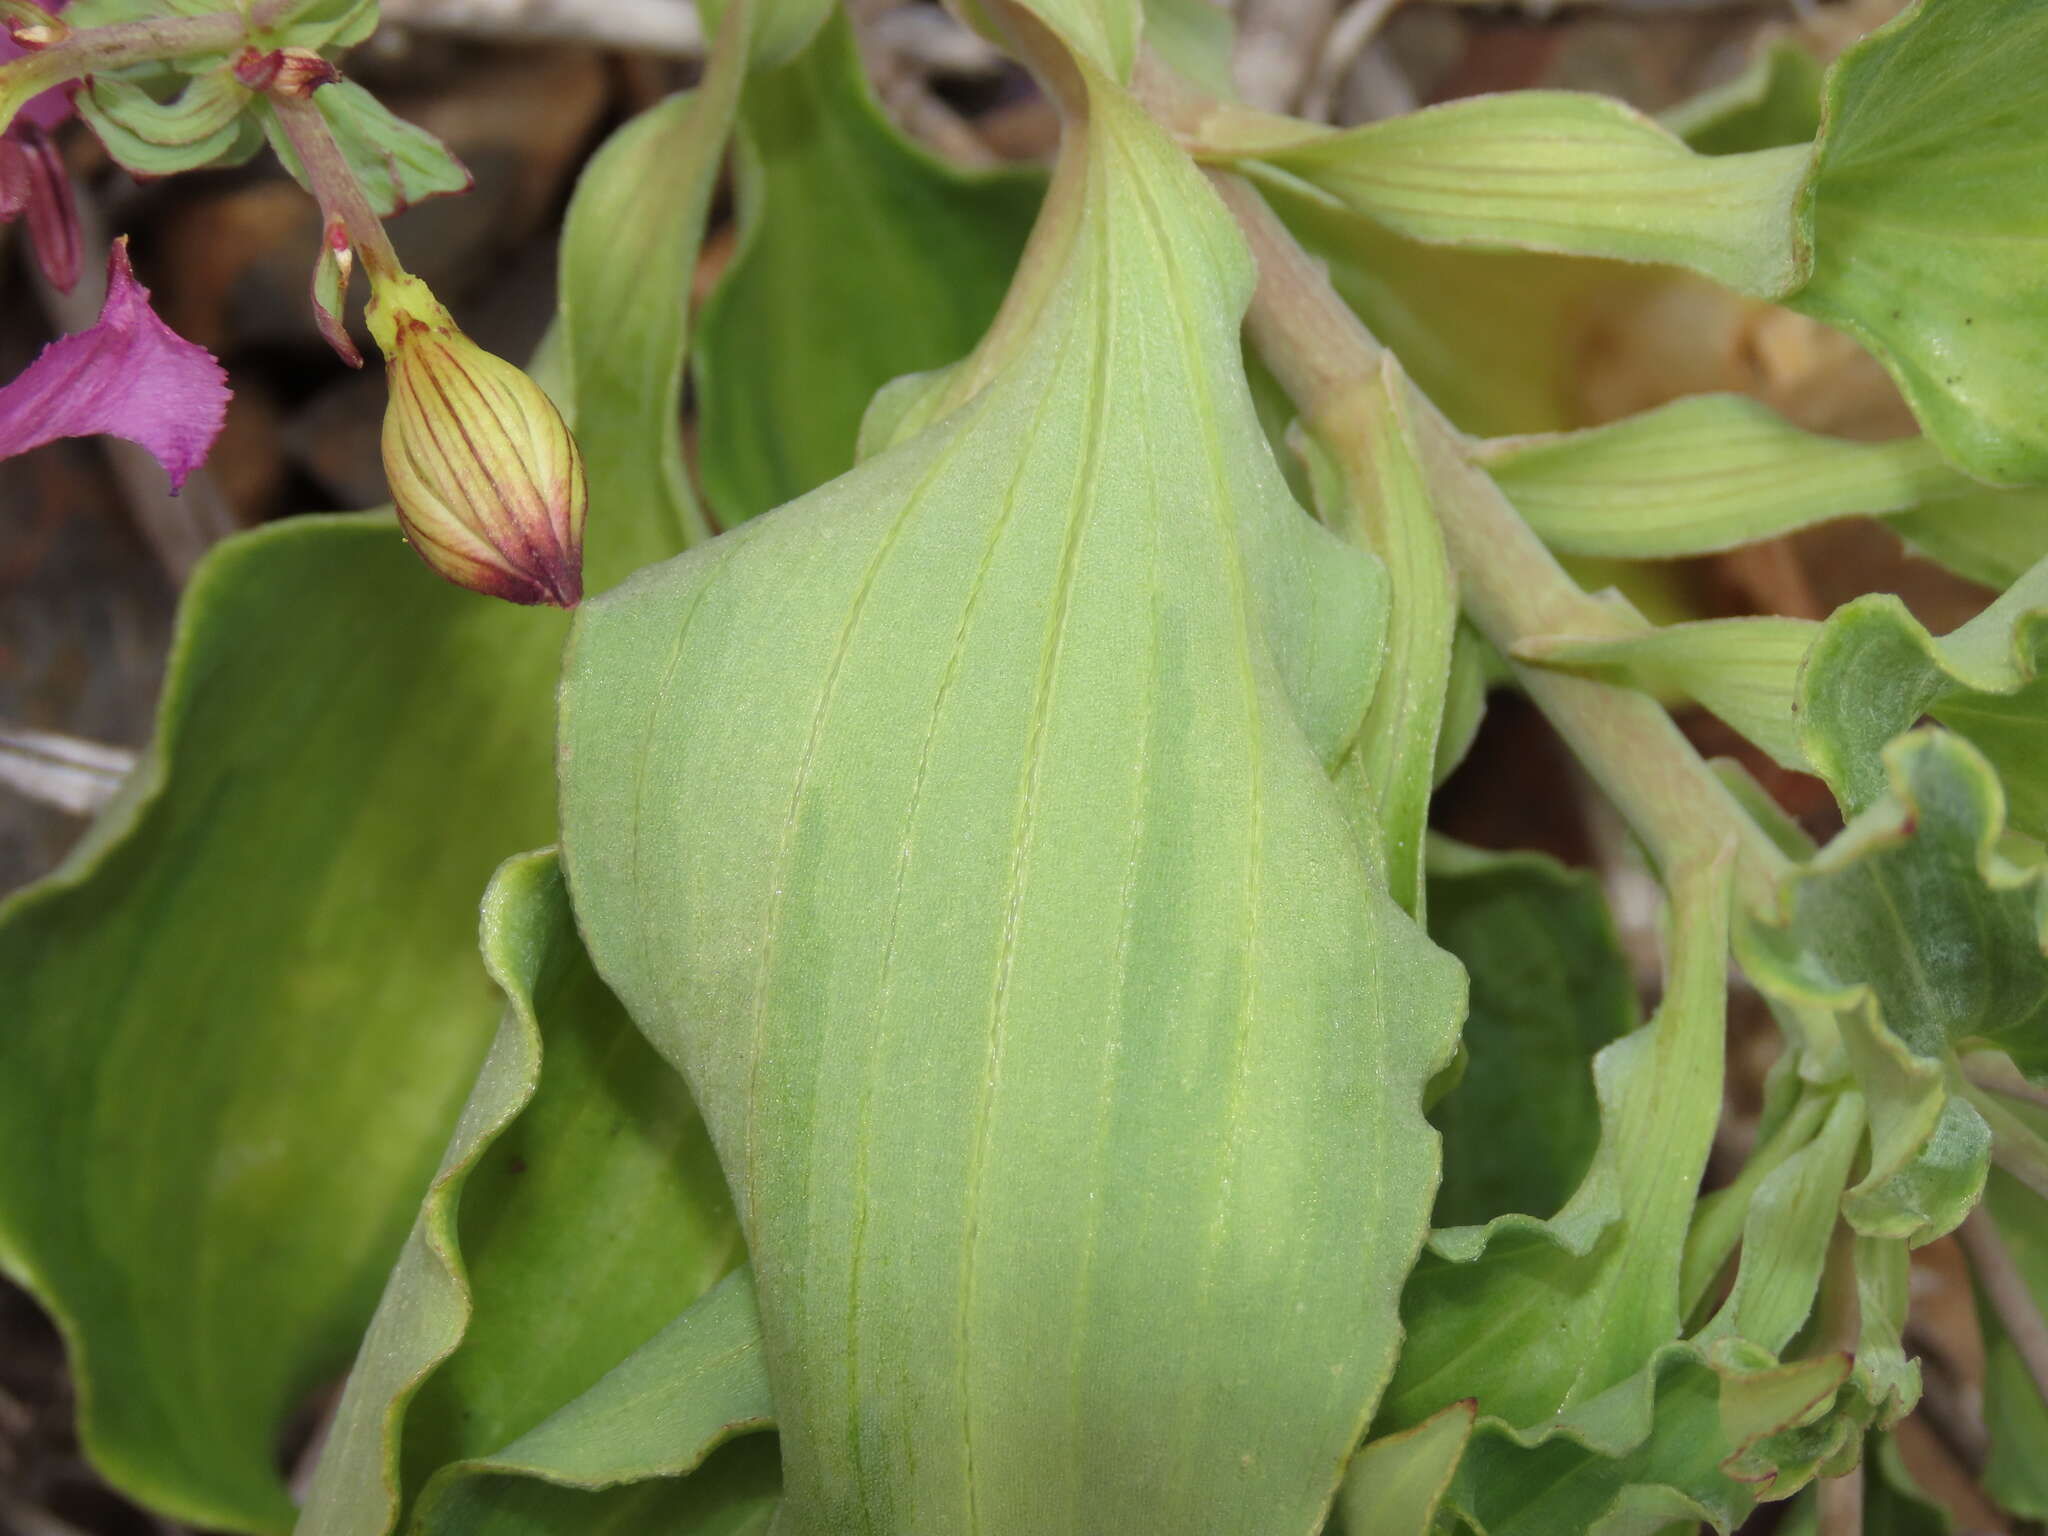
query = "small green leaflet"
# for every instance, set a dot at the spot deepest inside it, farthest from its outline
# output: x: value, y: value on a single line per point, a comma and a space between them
x: 396, y: 163
x: 999, y: 766
x: 1874, y: 670
x: 1554, y: 171
x: 1743, y: 670
x: 1709, y: 472
x: 207, y: 123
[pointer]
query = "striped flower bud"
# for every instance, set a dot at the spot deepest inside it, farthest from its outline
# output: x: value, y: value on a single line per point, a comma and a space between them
x: 489, y: 482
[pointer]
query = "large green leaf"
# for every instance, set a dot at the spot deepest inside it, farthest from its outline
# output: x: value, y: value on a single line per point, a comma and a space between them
x: 1550, y: 988
x: 241, y: 1021
x: 1556, y: 171
x: 591, y: 1211
x: 1874, y: 670
x: 1532, y: 1317
x: 862, y: 258
x: 1928, y: 221
x: 279, y: 918
x: 964, y: 831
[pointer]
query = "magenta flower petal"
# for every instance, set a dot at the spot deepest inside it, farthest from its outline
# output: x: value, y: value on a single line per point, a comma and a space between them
x: 130, y: 375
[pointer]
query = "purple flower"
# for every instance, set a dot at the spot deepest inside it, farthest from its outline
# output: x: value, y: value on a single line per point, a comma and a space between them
x: 130, y: 375
x: 32, y: 178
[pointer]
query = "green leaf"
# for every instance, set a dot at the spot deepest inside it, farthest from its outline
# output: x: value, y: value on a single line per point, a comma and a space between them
x: 346, y: 747
x: 1669, y: 1447
x: 1922, y: 939
x: 396, y: 163
x: 1989, y: 536
x: 656, y: 1416
x: 795, y: 342
x: 1396, y: 1482
x: 1550, y: 988
x: 1556, y: 171
x: 1874, y: 671
x: 1776, y: 101
x: 1912, y: 907
x: 1709, y: 472
x: 735, y: 1493
x: 1788, y: 1224
x: 1928, y: 219
x: 1533, y: 1317
x: 1379, y: 500
x: 206, y: 124
x: 1746, y: 671
x: 365, y: 744
x: 964, y: 830
x: 628, y: 260
x: 591, y: 1211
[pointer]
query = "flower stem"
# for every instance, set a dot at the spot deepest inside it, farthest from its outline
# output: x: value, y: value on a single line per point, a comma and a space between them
x: 2006, y: 1289
x: 343, y: 203
x: 92, y: 49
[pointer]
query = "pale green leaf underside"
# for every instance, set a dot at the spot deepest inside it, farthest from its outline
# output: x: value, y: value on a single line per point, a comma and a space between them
x: 338, y: 725
x: 1378, y: 499
x: 1710, y: 472
x: 1875, y: 670
x: 1928, y: 211
x: 1568, y: 173
x: 964, y: 831
x: 862, y: 258
x: 1746, y: 671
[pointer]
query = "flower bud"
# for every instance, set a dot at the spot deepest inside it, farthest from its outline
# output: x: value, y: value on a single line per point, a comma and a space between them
x: 489, y: 482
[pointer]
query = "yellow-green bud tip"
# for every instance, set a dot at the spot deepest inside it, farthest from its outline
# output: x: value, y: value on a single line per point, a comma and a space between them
x: 488, y: 480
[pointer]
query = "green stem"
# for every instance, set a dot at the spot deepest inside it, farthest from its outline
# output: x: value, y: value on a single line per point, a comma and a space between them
x: 93, y: 49
x: 340, y: 195
x: 1511, y: 586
